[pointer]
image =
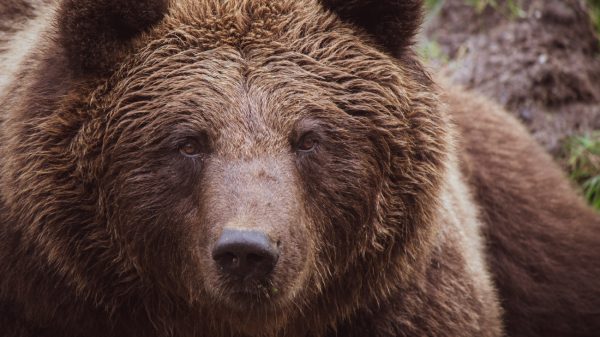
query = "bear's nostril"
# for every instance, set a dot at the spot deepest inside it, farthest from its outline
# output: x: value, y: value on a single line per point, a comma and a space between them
x: 254, y: 259
x: 245, y: 253
x: 227, y: 260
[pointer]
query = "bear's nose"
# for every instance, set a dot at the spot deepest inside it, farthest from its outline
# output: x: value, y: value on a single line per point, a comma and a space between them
x: 245, y: 253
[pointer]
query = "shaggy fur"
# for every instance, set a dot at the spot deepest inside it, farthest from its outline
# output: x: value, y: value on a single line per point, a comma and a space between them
x: 542, y: 239
x: 106, y: 227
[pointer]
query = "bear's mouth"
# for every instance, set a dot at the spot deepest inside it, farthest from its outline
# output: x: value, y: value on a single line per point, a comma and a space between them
x: 250, y: 294
x: 253, y: 290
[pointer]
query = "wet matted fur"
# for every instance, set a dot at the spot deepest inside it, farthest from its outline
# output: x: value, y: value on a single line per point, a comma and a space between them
x: 418, y: 211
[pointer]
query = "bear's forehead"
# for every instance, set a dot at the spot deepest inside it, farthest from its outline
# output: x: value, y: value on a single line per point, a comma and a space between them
x: 291, y: 48
x: 261, y: 29
x: 251, y: 69
x: 214, y: 23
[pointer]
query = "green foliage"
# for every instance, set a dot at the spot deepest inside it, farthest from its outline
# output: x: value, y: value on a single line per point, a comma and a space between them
x: 515, y: 10
x: 431, y: 4
x: 432, y: 52
x: 595, y: 13
x: 480, y: 5
x: 583, y: 159
x: 511, y: 8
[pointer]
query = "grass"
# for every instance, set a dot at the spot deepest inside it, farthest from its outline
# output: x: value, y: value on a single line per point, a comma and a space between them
x: 431, y: 4
x: 595, y: 13
x: 583, y: 160
x: 512, y: 8
x: 480, y: 5
x: 432, y: 52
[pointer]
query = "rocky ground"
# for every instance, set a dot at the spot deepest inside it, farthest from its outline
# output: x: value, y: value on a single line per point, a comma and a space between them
x: 538, y: 58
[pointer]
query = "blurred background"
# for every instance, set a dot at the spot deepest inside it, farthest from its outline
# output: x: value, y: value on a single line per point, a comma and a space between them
x: 540, y: 59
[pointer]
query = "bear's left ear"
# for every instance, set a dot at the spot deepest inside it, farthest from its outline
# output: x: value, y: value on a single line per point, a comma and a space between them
x: 96, y: 33
x: 393, y: 23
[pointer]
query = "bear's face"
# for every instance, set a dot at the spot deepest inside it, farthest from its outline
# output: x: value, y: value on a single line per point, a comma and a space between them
x: 244, y: 157
x: 271, y: 134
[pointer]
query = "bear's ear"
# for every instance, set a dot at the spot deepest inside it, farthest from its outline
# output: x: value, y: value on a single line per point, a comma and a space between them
x: 95, y: 33
x: 393, y: 23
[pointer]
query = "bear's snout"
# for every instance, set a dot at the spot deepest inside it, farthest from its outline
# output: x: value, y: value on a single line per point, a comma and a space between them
x: 253, y: 234
x: 245, y: 253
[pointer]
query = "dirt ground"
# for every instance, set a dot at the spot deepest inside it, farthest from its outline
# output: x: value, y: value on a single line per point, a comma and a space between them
x: 540, y: 60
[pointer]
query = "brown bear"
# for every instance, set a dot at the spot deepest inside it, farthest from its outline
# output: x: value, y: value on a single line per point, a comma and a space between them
x: 271, y: 168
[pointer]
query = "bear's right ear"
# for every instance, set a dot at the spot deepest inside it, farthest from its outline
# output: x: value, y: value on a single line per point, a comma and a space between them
x: 96, y: 33
x: 393, y: 23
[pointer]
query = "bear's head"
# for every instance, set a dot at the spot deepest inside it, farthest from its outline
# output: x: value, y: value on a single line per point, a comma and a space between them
x: 252, y: 163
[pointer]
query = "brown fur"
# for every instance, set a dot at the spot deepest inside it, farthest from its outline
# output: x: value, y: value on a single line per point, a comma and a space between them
x: 543, y: 240
x: 14, y: 11
x: 107, y: 229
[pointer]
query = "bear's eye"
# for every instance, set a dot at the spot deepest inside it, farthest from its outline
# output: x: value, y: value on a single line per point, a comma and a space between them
x: 190, y: 148
x: 308, y: 142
